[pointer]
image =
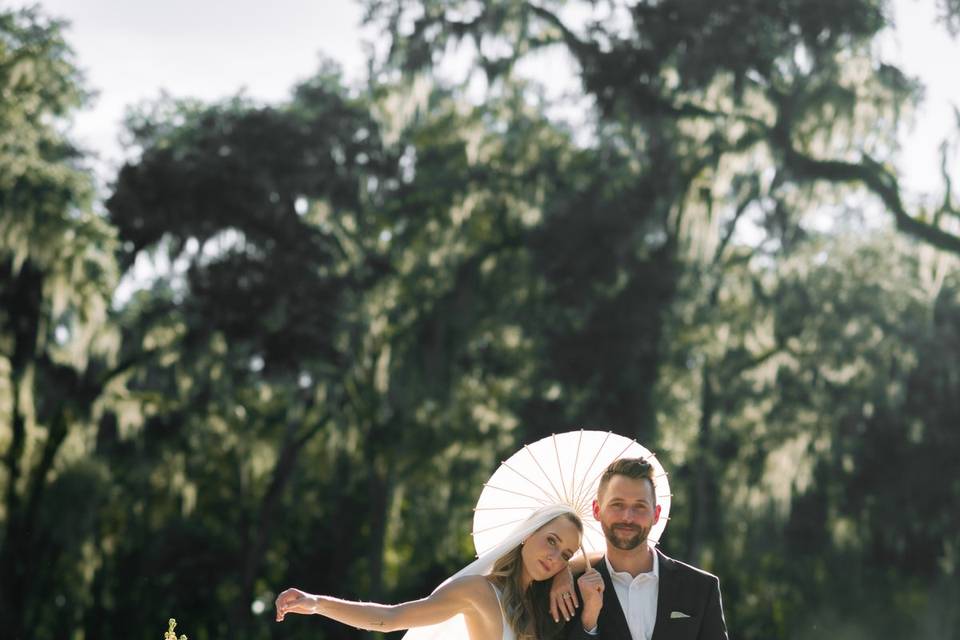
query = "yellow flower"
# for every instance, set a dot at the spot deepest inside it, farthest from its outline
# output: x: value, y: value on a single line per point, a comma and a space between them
x: 170, y: 635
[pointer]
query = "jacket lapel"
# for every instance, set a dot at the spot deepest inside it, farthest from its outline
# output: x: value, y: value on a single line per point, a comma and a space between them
x: 612, y: 620
x: 666, y: 596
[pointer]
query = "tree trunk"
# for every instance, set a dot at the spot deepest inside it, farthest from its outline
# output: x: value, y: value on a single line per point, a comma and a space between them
x: 704, y: 483
x: 24, y: 299
x: 380, y: 493
x: 263, y: 526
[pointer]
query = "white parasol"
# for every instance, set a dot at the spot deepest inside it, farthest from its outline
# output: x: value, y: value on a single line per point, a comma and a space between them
x: 563, y: 468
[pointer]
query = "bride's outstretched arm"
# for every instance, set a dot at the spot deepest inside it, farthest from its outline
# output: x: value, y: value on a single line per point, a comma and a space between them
x: 457, y: 597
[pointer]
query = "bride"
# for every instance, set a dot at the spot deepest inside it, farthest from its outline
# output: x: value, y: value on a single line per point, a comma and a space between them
x: 499, y: 595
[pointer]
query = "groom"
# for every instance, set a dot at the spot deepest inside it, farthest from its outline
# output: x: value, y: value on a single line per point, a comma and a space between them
x: 635, y: 592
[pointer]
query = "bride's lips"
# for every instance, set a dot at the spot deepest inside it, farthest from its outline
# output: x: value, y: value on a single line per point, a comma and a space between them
x: 546, y: 567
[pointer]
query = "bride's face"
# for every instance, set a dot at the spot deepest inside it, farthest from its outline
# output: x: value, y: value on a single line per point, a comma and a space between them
x: 547, y: 551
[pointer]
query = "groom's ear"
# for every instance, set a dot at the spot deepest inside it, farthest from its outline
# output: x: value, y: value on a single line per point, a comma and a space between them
x: 656, y: 514
x: 596, y: 510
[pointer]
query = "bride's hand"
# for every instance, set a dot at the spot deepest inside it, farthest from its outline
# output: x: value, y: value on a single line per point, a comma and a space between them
x: 563, y: 597
x: 294, y: 601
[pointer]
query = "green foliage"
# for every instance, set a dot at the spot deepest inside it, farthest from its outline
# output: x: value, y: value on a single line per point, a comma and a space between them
x: 363, y: 297
x: 796, y: 85
x: 949, y: 14
x: 56, y: 278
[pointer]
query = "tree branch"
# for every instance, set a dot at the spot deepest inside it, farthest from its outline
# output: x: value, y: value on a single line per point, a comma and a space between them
x: 879, y: 181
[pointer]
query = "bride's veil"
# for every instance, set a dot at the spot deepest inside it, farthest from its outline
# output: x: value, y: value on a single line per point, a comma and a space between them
x: 456, y: 628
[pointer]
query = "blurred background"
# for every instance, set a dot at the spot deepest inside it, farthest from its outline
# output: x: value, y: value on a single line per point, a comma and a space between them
x: 277, y: 301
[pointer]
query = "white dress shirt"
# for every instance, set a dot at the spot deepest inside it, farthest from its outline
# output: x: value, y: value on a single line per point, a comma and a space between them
x: 638, y: 598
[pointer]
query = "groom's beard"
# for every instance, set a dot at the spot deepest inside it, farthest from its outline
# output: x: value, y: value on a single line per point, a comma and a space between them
x: 625, y: 537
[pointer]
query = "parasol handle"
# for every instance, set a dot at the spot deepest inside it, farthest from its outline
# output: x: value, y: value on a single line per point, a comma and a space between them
x: 586, y: 563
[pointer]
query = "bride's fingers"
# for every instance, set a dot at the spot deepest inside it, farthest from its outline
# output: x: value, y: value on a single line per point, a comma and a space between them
x: 282, y: 605
x: 557, y: 609
x: 287, y: 599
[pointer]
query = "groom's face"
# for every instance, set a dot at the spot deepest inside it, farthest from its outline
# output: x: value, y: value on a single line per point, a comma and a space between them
x: 627, y: 511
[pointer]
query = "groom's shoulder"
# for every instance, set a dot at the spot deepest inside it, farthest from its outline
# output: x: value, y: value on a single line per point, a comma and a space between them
x: 688, y: 570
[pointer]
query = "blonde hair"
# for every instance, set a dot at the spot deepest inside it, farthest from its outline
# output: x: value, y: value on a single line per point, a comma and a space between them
x: 526, y: 610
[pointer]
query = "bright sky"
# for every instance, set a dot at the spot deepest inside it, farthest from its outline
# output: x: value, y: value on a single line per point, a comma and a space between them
x: 130, y: 50
x: 210, y: 49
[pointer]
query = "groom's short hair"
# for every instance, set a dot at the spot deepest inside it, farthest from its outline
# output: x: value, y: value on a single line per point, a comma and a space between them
x: 634, y: 468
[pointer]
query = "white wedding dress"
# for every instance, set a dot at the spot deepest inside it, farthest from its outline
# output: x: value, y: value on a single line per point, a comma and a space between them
x: 456, y: 627
x: 508, y: 633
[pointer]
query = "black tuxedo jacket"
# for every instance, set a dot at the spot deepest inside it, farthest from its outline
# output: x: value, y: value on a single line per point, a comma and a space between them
x: 683, y: 591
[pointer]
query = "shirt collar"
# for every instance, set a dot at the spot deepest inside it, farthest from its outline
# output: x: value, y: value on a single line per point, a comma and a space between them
x: 625, y: 577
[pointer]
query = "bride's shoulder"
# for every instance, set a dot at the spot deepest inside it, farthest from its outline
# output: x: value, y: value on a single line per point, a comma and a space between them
x: 474, y: 588
x: 476, y: 595
x: 471, y: 583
